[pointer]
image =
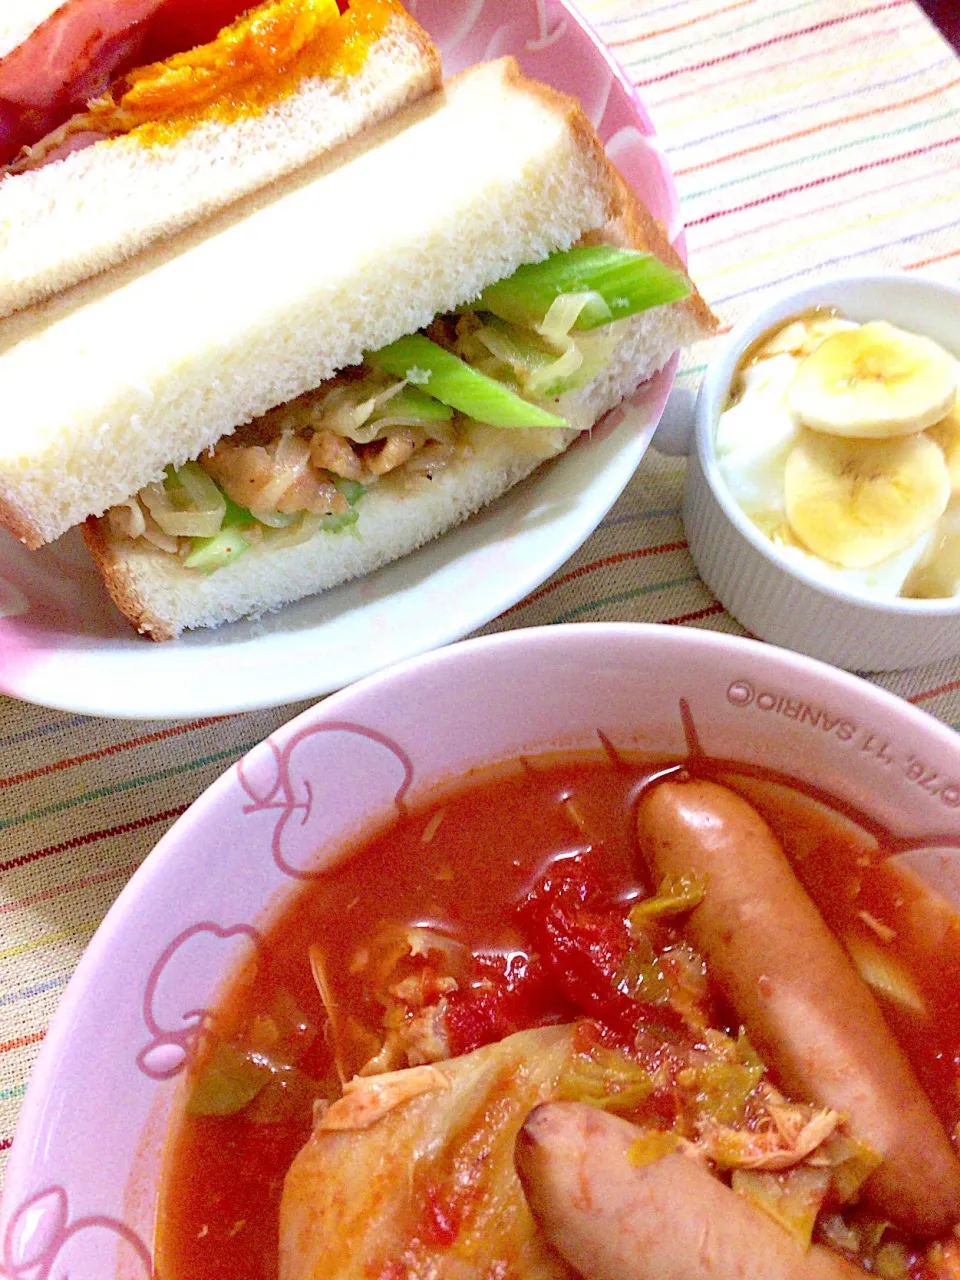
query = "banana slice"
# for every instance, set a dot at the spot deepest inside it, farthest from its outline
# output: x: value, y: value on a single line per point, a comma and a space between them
x: 946, y: 434
x: 874, y: 382
x: 857, y: 502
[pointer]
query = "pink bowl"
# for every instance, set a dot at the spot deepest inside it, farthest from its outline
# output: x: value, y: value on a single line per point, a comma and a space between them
x: 63, y: 644
x: 80, y: 1193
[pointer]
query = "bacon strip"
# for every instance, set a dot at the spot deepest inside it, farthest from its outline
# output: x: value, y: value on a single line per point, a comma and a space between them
x: 83, y: 47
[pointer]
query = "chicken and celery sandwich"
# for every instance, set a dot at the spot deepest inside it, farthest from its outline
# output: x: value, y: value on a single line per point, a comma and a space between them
x: 307, y: 387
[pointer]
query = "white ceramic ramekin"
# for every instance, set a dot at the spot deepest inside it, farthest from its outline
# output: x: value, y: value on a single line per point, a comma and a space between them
x: 775, y: 600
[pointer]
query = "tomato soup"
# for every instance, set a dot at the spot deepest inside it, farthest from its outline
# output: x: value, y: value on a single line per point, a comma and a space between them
x: 503, y: 902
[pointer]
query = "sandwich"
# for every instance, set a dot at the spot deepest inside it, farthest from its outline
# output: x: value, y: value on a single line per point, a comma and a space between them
x: 124, y: 121
x: 328, y: 374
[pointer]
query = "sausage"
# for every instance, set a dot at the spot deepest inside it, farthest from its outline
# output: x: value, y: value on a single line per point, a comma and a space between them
x: 806, y: 1009
x: 669, y: 1220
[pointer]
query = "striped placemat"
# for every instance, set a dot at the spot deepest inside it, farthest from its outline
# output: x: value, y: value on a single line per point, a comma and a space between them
x: 805, y: 137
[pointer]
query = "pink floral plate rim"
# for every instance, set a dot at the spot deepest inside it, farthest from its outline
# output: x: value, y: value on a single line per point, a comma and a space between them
x: 63, y: 645
x: 130, y: 1016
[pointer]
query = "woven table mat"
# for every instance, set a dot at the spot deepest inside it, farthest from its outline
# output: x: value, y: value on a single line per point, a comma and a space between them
x: 805, y: 138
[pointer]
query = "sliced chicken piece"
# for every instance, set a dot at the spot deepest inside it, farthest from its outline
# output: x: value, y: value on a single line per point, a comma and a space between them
x: 398, y: 448
x: 367, y: 1099
x: 795, y: 1133
x: 428, y: 1190
x: 334, y: 453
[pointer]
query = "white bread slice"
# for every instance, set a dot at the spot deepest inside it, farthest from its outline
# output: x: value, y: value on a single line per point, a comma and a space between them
x: 162, y: 598
x: 156, y: 360
x: 97, y: 207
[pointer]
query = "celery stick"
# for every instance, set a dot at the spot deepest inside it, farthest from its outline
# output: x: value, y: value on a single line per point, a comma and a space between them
x: 412, y: 401
x: 235, y: 516
x: 232, y: 1078
x: 207, y: 554
x: 352, y: 490
x: 189, y: 488
x: 451, y: 381
x: 340, y: 523
x: 626, y: 280
x: 523, y: 350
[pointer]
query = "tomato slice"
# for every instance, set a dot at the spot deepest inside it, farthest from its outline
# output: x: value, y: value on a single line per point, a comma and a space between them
x: 580, y: 934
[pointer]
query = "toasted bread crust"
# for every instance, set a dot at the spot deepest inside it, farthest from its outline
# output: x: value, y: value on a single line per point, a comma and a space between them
x: 428, y: 50
x: 631, y: 224
x: 635, y: 227
x: 17, y: 521
x: 607, y: 178
x: 645, y: 232
x: 107, y: 553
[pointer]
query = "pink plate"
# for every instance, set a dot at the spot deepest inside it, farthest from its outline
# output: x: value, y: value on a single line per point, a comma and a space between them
x: 81, y: 1187
x: 62, y: 643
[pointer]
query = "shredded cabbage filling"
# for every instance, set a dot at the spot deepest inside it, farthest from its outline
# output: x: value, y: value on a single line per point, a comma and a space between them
x: 409, y: 411
x: 304, y: 466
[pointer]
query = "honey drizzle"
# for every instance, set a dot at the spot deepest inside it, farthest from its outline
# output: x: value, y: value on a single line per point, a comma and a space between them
x: 752, y: 356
